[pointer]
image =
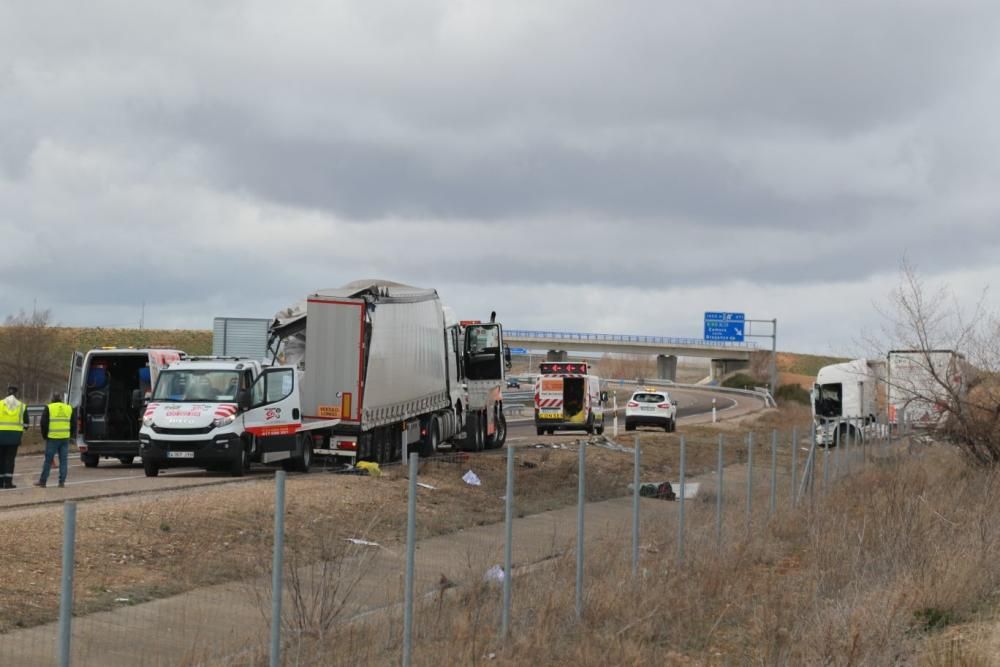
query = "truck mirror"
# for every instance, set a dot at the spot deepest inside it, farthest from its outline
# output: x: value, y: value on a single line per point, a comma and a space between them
x: 506, y: 356
x: 243, y: 399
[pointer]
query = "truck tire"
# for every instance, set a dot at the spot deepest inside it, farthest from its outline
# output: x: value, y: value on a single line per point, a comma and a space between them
x: 600, y: 428
x: 241, y: 465
x: 474, y: 432
x: 539, y: 430
x: 429, y: 443
x: 499, y: 437
x: 90, y: 460
x: 629, y: 426
x: 151, y: 469
x: 304, y: 462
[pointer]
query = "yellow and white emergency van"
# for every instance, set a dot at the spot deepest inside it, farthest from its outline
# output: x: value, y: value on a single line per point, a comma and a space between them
x: 568, y: 397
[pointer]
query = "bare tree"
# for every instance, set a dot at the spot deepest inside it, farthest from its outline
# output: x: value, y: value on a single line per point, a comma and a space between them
x: 966, y: 390
x: 28, y: 353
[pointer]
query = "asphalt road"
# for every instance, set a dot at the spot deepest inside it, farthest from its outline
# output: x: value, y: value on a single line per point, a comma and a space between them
x: 112, y: 478
x: 691, y: 404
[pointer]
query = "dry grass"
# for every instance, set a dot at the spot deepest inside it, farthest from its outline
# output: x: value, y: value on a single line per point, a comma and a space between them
x: 897, y: 565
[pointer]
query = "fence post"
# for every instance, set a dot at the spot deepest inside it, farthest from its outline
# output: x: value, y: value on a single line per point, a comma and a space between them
x: 66, y: 590
x: 581, y: 501
x: 795, y: 464
x: 277, y: 566
x: 718, y: 498
x: 749, y: 478
x: 847, y: 449
x: 635, y: 507
x: 508, y: 544
x: 837, y: 452
x: 826, y: 469
x: 774, y: 471
x: 812, y: 467
x: 680, y: 517
x: 411, y: 549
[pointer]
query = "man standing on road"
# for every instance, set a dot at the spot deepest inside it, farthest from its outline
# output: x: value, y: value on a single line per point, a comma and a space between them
x: 58, y: 426
x: 13, y: 421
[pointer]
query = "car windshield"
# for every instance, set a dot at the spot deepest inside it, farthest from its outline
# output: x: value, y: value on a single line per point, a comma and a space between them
x: 648, y: 398
x: 189, y: 385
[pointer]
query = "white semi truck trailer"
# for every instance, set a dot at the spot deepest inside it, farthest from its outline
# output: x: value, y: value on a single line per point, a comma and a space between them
x: 390, y: 365
x: 923, y: 384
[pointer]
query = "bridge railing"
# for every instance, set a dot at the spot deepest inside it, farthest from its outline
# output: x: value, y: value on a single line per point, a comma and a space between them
x: 626, y: 338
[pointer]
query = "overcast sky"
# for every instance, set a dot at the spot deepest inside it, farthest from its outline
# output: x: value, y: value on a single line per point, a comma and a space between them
x: 574, y: 165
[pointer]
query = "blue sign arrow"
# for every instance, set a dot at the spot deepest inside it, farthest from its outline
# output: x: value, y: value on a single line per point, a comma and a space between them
x: 725, y: 327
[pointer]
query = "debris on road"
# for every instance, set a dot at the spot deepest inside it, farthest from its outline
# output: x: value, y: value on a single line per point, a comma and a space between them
x: 472, y: 479
x: 370, y: 467
x: 494, y: 574
x: 661, y: 490
x: 425, y: 485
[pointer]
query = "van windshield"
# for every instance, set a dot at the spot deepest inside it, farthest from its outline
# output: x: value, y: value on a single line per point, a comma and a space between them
x: 189, y: 385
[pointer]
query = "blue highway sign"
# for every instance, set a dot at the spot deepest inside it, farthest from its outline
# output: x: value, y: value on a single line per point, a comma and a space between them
x: 727, y: 327
x: 519, y: 350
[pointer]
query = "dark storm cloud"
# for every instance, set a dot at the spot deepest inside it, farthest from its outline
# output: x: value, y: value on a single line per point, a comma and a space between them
x: 236, y: 155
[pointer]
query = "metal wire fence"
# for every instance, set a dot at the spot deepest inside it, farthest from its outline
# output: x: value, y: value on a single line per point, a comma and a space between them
x: 287, y: 586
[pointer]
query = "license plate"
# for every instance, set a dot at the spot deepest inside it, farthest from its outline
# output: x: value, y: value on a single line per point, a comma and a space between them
x: 550, y: 415
x: 648, y: 409
x: 180, y: 455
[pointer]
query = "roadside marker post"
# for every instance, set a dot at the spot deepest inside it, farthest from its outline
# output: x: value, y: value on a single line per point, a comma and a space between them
x: 713, y: 411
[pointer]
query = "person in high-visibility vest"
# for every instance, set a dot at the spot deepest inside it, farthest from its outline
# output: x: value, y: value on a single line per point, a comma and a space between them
x: 13, y: 421
x: 58, y: 426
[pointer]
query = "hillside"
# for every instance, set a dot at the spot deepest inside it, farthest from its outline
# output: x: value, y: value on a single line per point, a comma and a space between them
x: 804, y: 364
x: 192, y: 341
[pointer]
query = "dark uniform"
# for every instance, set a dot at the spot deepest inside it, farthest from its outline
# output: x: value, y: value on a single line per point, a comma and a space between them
x: 13, y: 421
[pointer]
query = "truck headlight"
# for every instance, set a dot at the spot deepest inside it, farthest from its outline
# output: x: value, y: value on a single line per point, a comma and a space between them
x: 223, y: 421
x: 147, y: 422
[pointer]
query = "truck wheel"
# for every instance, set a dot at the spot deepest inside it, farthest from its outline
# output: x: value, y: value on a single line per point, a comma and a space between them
x: 304, y: 462
x: 539, y: 430
x: 242, y: 464
x: 429, y: 444
x: 629, y: 427
x: 151, y: 469
x: 90, y: 460
x: 473, y: 433
x: 600, y: 428
x: 499, y: 437
x: 126, y: 460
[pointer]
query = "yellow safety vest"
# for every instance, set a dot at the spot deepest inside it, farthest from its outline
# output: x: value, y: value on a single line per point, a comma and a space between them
x: 59, y: 421
x: 11, y: 420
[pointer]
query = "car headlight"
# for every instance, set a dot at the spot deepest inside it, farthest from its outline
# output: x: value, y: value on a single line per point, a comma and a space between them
x: 147, y: 422
x: 223, y: 421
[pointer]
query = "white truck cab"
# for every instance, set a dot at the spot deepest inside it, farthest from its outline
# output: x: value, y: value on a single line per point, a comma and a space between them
x: 224, y: 413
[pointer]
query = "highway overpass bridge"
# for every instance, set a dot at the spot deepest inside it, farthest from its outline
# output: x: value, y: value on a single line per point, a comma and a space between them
x: 725, y: 356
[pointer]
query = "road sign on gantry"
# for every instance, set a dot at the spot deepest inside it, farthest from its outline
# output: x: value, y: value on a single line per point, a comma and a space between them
x: 728, y: 327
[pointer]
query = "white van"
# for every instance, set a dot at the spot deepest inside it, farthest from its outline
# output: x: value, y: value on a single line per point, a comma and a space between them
x: 108, y: 386
x: 567, y: 397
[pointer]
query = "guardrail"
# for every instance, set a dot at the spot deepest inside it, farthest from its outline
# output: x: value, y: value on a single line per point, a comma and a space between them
x: 626, y: 338
x: 762, y: 394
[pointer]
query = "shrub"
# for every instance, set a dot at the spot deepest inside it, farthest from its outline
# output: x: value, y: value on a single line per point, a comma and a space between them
x: 792, y: 392
x: 740, y: 381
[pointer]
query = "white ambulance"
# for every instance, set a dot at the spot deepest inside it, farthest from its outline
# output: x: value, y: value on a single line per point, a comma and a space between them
x: 568, y: 397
